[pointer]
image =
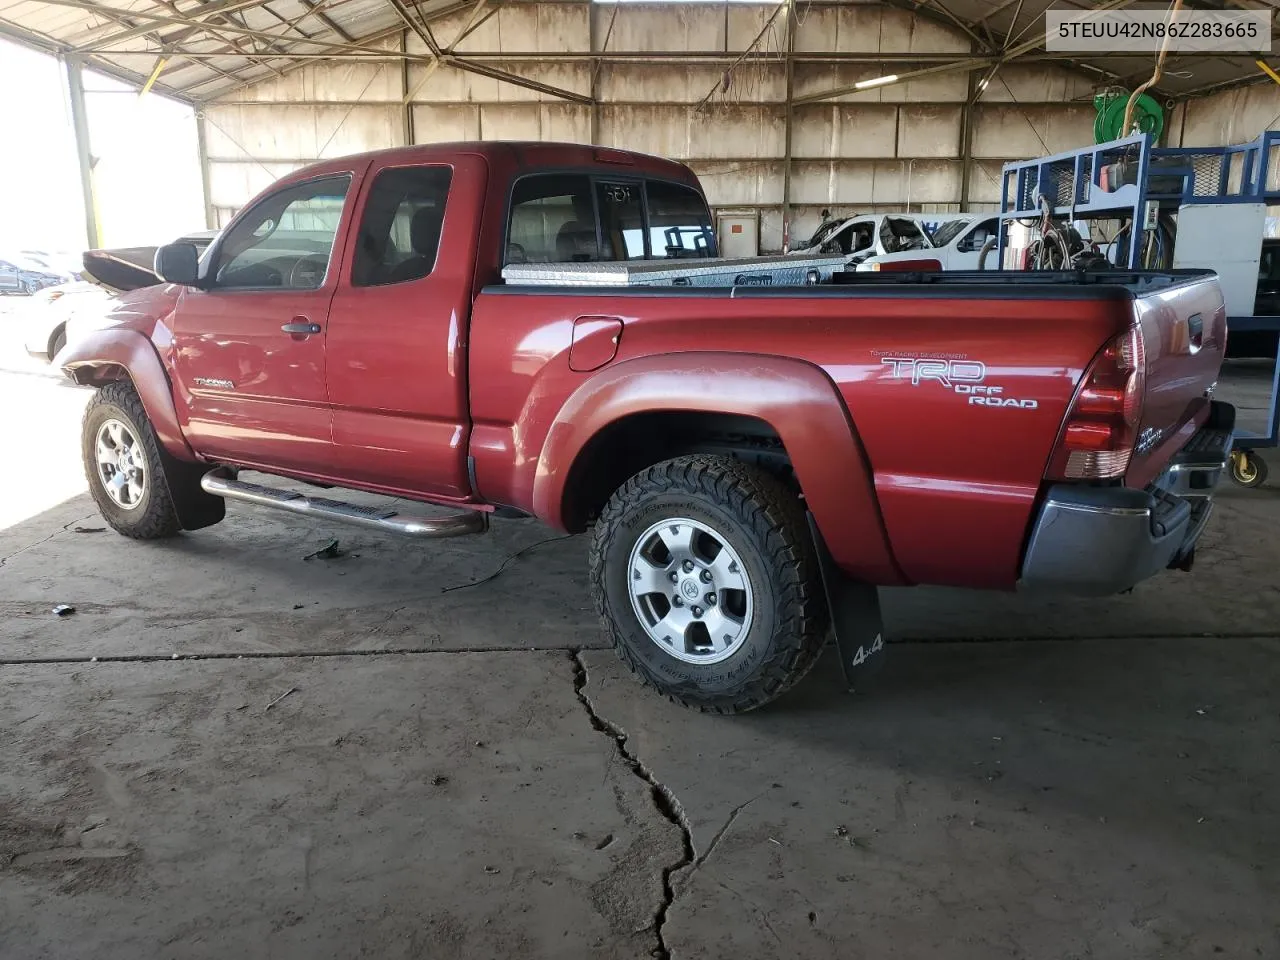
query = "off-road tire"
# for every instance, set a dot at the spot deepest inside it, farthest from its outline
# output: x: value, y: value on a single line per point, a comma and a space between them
x: 765, y: 524
x: 156, y: 516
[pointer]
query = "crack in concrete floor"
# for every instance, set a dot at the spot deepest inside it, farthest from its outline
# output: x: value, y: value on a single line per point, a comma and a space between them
x: 664, y: 801
x: 43, y: 540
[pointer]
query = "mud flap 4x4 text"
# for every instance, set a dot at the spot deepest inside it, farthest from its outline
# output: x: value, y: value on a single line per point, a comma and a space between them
x: 855, y: 618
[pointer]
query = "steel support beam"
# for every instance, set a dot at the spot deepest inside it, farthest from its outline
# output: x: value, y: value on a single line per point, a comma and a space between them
x: 327, y: 20
x: 483, y: 70
x: 417, y: 26
x: 378, y: 36
x: 196, y: 17
x: 593, y: 132
x: 230, y: 44
x: 966, y: 140
x: 106, y: 44
x: 971, y: 62
x: 352, y: 51
x: 999, y: 8
x: 406, y: 107
x: 202, y: 149
x: 36, y: 41
x: 788, y: 125
x: 72, y: 69
x: 938, y: 5
x: 956, y: 65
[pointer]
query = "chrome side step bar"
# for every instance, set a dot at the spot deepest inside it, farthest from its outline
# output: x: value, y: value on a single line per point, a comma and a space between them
x: 222, y: 483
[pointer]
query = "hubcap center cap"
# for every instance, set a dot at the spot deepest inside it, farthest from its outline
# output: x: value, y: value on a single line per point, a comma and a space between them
x: 690, y: 589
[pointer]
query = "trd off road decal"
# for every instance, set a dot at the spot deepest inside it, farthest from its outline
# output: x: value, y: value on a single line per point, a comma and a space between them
x: 964, y: 377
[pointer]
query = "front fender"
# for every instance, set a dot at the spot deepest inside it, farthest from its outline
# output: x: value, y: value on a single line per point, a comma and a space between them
x: 796, y: 398
x: 110, y: 354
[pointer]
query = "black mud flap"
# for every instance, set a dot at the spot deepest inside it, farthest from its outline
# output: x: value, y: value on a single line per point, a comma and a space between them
x: 855, y: 618
x: 195, y: 508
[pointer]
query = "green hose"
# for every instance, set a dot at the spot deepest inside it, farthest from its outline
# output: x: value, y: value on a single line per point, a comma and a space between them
x: 1109, y: 123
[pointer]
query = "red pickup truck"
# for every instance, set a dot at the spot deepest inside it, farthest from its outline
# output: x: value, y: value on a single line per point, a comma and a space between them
x: 535, y: 329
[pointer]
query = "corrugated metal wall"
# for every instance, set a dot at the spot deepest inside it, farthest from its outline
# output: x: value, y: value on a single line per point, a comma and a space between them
x: 1230, y: 117
x: 896, y: 147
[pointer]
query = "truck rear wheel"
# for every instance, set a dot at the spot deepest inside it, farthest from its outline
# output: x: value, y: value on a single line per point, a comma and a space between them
x: 706, y: 578
x: 123, y: 465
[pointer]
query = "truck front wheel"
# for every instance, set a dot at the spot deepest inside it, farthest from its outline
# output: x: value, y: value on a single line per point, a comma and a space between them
x: 123, y: 465
x: 706, y: 578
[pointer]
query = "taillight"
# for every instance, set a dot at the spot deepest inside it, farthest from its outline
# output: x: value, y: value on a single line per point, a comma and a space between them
x: 1101, y: 429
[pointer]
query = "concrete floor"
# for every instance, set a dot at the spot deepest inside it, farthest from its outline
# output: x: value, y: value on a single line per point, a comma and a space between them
x: 469, y: 774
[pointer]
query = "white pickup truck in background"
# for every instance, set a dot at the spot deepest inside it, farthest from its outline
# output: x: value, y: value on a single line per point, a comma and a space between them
x: 870, y: 235
x: 955, y: 245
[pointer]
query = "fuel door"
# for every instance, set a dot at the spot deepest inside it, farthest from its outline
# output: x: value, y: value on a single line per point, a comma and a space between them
x: 595, y: 342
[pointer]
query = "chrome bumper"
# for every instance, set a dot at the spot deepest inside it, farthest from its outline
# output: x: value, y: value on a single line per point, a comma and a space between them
x: 1103, y: 540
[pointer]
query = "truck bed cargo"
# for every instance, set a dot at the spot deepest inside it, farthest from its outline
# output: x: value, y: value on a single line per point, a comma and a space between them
x: 752, y: 271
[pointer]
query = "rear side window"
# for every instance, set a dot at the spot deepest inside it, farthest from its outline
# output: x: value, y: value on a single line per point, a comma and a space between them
x: 679, y: 224
x: 577, y: 218
x: 400, y: 230
x: 553, y: 220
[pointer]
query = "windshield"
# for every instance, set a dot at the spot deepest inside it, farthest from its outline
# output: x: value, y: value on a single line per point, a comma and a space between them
x: 949, y: 231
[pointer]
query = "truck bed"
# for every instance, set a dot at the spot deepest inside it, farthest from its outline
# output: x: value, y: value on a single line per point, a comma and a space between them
x: 1135, y: 282
x: 951, y: 475
x: 786, y: 277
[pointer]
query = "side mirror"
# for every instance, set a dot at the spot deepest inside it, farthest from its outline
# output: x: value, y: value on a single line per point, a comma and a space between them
x: 178, y: 263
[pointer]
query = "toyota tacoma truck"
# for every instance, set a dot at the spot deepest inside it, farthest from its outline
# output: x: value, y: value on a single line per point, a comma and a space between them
x: 509, y: 330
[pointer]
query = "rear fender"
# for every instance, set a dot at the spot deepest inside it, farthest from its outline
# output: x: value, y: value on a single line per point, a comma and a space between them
x: 795, y: 398
x: 111, y: 354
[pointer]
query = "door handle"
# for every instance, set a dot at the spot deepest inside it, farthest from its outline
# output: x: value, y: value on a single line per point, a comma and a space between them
x: 304, y: 327
x: 1195, y: 333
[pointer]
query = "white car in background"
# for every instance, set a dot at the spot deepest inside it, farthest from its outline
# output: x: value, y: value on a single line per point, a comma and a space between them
x: 957, y: 245
x: 870, y: 235
x: 59, y: 315
x: 47, y: 314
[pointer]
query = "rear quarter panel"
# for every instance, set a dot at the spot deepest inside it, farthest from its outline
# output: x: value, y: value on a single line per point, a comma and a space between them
x: 956, y: 479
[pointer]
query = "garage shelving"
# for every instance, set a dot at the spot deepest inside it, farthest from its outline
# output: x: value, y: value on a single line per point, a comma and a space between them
x: 1134, y: 180
x: 1115, y: 180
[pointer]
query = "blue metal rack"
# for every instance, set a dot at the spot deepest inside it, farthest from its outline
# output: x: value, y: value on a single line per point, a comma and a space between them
x: 1116, y: 180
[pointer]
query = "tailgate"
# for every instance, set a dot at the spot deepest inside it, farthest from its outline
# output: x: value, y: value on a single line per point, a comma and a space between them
x: 1184, y: 335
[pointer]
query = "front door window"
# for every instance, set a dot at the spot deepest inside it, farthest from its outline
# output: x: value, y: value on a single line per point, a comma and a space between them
x: 286, y: 240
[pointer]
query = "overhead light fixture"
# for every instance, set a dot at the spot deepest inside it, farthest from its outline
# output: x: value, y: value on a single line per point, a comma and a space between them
x: 877, y: 82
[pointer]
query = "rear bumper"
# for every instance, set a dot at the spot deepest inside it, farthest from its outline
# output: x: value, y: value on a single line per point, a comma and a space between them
x: 1103, y: 540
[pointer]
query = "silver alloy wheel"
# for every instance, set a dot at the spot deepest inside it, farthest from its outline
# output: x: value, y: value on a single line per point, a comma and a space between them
x: 690, y: 591
x: 122, y: 465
